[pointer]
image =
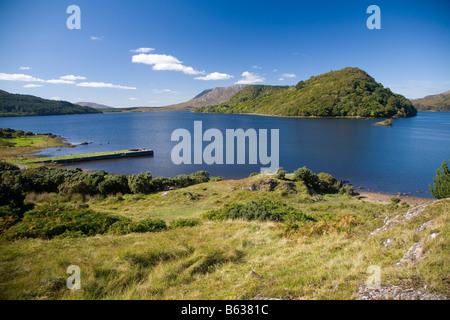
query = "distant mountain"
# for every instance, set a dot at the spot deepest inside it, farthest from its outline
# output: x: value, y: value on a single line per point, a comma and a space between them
x: 93, y: 105
x: 349, y: 92
x: 208, y: 97
x: 436, y: 102
x: 12, y: 105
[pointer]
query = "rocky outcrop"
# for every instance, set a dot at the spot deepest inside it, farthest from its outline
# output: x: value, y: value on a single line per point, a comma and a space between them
x: 210, y: 97
x: 397, y: 293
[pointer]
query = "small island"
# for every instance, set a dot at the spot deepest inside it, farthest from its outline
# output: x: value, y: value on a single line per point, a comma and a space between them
x: 384, y: 123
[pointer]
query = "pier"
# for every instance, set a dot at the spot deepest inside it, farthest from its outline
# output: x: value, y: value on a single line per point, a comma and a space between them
x: 98, y: 156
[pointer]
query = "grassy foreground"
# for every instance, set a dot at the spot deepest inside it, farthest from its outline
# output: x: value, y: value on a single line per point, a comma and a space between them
x: 231, y: 258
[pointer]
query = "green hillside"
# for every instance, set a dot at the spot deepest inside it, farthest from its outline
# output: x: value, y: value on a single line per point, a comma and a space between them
x: 437, y: 102
x: 24, y: 105
x: 349, y: 92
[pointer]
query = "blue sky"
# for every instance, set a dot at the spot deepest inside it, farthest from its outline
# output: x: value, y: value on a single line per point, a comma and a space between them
x: 188, y: 46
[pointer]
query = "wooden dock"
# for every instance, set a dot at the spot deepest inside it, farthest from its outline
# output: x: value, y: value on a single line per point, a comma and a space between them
x: 97, y: 157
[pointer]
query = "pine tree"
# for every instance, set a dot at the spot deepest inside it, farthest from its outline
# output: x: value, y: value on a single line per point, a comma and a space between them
x: 441, y: 183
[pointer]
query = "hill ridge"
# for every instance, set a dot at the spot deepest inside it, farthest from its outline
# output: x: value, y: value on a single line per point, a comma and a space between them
x: 12, y: 105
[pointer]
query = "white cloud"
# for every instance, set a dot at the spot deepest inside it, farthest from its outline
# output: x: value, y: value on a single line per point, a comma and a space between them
x: 143, y: 50
x: 162, y: 91
x: 133, y: 98
x: 215, y: 76
x: 19, y: 77
x: 24, y: 68
x: 60, y: 81
x: 286, y: 75
x: 103, y: 85
x: 250, y: 78
x: 55, y: 98
x: 162, y: 62
x: 71, y: 77
x: 96, y: 38
x: 31, y: 85
x: 256, y: 67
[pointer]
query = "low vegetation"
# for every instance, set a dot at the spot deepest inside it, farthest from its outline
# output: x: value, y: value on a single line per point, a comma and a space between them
x: 191, y: 238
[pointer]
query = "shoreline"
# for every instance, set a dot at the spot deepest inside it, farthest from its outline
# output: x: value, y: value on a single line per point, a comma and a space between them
x: 384, y: 198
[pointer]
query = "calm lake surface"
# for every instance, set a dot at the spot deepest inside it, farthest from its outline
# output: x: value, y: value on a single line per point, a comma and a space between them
x: 401, y: 158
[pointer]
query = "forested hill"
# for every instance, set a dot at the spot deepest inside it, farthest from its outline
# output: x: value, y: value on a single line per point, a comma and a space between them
x: 24, y: 105
x: 349, y: 92
x: 437, y: 102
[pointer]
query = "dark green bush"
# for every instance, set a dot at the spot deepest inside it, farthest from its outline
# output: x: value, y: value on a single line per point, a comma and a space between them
x: 395, y: 200
x: 265, y: 210
x: 114, y: 184
x: 281, y: 173
x: 348, y: 190
x: 75, y: 181
x: 307, y: 176
x: 326, y: 181
x: 183, y: 223
x: 141, y: 183
x: 148, y: 225
x: 49, y: 221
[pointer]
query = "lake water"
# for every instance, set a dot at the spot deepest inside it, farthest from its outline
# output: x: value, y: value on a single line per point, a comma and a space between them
x: 401, y: 158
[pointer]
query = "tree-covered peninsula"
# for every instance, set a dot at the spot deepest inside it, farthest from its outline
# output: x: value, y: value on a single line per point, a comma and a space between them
x: 349, y: 92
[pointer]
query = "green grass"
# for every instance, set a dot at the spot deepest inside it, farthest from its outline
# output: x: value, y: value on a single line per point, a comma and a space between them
x: 214, y: 259
x: 27, y: 145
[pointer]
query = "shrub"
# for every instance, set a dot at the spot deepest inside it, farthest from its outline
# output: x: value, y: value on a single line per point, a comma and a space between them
x: 326, y: 181
x: 75, y: 181
x: 281, y: 173
x: 148, y: 225
x: 183, y: 223
x: 114, y: 184
x: 395, y: 200
x: 5, y: 166
x: 307, y: 176
x: 348, y: 190
x: 141, y: 183
x: 49, y: 221
x: 83, y: 183
x: 120, y: 227
x: 265, y: 210
x: 199, y: 177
